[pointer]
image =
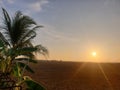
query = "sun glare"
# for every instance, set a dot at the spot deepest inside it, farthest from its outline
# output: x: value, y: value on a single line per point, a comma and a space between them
x: 94, y: 54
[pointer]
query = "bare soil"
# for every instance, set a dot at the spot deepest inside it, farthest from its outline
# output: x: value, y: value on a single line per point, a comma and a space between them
x: 77, y: 75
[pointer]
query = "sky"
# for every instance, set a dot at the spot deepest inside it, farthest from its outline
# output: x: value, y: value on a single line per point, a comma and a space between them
x: 73, y: 29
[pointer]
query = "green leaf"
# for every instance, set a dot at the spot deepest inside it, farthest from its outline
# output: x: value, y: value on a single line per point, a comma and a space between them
x: 16, y: 71
x: 25, y: 50
x: 1, y: 43
x: 32, y: 85
x: 26, y: 67
x: 3, y: 39
x: 26, y: 59
x: 42, y: 50
x: 11, y: 52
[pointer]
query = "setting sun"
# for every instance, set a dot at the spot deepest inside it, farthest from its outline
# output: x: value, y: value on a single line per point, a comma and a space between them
x: 94, y: 54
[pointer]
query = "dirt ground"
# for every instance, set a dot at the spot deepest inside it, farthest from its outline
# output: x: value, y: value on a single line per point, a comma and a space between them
x: 77, y: 75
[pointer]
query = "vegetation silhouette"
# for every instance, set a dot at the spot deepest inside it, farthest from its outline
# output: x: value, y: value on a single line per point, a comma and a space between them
x: 17, y: 51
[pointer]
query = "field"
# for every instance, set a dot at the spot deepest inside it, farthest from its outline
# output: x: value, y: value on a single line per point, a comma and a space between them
x: 77, y: 75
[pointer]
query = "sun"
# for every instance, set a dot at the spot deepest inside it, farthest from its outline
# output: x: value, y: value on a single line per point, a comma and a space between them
x: 94, y: 54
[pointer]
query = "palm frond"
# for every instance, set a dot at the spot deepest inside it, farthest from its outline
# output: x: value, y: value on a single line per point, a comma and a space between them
x: 28, y: 36
x: 6, y: 15
x: 7, y: 24
x: 26, y: 59
x: 30, y: 33
x: 26, y: 51
x: 42, y: 50
x: 20, y: 26
x: 22, y: 65
x: 33, y: 85
x: 3, y: 39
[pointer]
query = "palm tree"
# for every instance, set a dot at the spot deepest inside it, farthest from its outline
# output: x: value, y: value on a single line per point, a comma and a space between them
x: 16, y: 34
x: 19, y: 30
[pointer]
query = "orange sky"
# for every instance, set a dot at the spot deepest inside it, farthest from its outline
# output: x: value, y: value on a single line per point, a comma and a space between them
x: 73, y: 29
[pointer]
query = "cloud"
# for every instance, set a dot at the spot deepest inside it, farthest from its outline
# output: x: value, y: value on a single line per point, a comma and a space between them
x: 109, y: 2
x: 0, y: 1
x: 27, y: 6
x: 10, y: 1
x: 53, y: 34
x: 37, y: 6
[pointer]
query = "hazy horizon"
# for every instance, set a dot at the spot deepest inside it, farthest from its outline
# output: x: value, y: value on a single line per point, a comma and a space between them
x: 73, y: 29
